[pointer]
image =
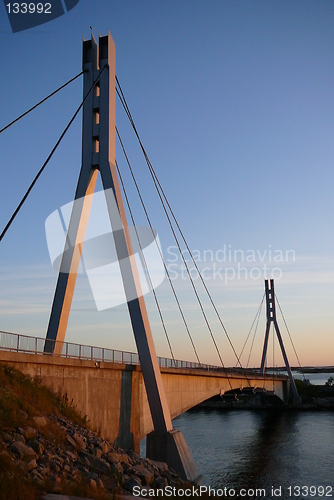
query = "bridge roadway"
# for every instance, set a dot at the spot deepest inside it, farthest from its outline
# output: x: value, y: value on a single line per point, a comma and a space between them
x: 113, y: 395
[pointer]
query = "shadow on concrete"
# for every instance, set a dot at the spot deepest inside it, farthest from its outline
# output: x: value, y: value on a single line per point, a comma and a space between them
x: 125, y: 437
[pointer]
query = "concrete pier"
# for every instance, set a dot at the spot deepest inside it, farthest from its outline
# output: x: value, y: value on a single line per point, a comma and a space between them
x: 113, y: 395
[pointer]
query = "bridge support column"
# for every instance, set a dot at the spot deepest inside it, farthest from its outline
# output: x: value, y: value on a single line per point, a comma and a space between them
x: 271, y: 318
x: 171, y: 447
x: 99, y: 155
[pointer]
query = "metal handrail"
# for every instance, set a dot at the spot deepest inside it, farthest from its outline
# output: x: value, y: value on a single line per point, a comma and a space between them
x: 17, y: 342
x: 35, y: 345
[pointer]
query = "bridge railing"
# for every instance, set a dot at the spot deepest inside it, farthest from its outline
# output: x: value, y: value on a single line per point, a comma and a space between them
x: 17, y: 342
x: 36, y: 345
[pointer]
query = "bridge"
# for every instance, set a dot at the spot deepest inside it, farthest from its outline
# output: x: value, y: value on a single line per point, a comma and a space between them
x: 123, y: 398
x: 108, y: 386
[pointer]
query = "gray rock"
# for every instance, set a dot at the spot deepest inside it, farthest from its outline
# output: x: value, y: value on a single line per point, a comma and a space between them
x: 37, y: 447
x: 104, y: 447
x: 37, y: 474
x: 23, y: 414
x: 80, y: 442
x: 160, y: 482
x: 124, y: 458
x: 99, y: 483
x: 76, y: 474
x: 144, y: 474
x: 59, y: 459
x: 22, y: 450
x: 55, y: 467
x: 44, y: 471
x: 72, y: 442
x: 92, y: 484
x: 113, y: 458
x: 131, y: 482
x: 40, y: 421
x: 118, y: 469
x: 32, y: 465
x: 18, y: 437
x: 100, y: 465
x: 87, y: 462
x: 28, y: 433
x: 6, y: 437
x: 160, y: 465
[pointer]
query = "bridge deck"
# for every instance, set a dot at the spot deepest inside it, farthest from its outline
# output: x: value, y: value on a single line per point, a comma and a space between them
x: 15, y: 342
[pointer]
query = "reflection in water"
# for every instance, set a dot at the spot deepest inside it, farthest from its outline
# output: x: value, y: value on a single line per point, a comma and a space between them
x: 266, y: 452
x: 260, y: 449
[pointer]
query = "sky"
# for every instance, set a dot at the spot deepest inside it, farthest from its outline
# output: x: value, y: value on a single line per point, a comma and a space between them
x: 234, y: 103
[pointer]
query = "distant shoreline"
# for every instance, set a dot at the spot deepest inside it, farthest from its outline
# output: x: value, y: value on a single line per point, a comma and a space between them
x: 303, y: 369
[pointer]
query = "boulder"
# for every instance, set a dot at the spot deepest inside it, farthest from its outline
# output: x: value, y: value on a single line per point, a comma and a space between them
x: 80, y: 442
x: 131, y: 482
x: 104, y: 447
x: 100, y: 465
x: 145, y: 475
x: 36, y: 446
x: 40, y: 421
x: 32, y: 465
x: 22, y: 450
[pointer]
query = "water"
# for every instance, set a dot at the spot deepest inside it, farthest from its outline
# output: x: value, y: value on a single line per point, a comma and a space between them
x: 260, y: 449
x: 263, y: 449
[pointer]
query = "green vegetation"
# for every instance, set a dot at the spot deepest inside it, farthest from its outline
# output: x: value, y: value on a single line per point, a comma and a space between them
x: 21, y: 399
x: 309, y: 392
x: 21, y: 396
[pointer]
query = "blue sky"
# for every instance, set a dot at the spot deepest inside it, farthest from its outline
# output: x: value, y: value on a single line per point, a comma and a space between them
x: 234, y: 103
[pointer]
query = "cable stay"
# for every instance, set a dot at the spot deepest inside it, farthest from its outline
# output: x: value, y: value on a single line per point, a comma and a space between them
x: 158, y: 188
x: 145, y: 264
x: 165, y: 203
x: 257, y: 315
x: 40, y: 102
x: 287, y: 329
x: 159, y: 249
x: 257, y: 324
x: 16, y: 211
x: 255, y: 320
x: 165, y: 267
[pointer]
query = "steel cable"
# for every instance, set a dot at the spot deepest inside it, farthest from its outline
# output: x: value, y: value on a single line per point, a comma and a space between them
x: 16, y: 211
x: 40, y: 102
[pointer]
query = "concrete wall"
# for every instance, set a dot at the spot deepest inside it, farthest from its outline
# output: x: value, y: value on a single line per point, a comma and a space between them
x: 113, y: 395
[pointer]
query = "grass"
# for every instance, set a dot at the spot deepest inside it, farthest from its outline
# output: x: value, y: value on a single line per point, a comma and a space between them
x: 21, y: 395
x: 22, y: 398
x: 307, y: 392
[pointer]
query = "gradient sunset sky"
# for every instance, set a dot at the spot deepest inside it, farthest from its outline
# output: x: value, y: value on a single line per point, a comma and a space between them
x: 234, y: 103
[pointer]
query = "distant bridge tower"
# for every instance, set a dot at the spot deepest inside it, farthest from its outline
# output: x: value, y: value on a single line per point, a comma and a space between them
x: 271, y: 318
x: 99, y: 155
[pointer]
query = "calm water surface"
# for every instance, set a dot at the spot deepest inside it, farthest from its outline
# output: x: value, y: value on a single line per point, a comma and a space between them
x: 261, y: 449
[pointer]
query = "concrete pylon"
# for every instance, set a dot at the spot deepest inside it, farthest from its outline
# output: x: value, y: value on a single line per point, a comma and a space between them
x: 271, y: 318
x: 99, y: 155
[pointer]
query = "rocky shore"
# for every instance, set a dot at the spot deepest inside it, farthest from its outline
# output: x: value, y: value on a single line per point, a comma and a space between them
x: 314, y: 397
x: 56, y: 450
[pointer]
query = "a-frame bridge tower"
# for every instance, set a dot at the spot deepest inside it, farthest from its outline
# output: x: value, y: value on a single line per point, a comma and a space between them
x: 99, y: 156
x: 272, y: 320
